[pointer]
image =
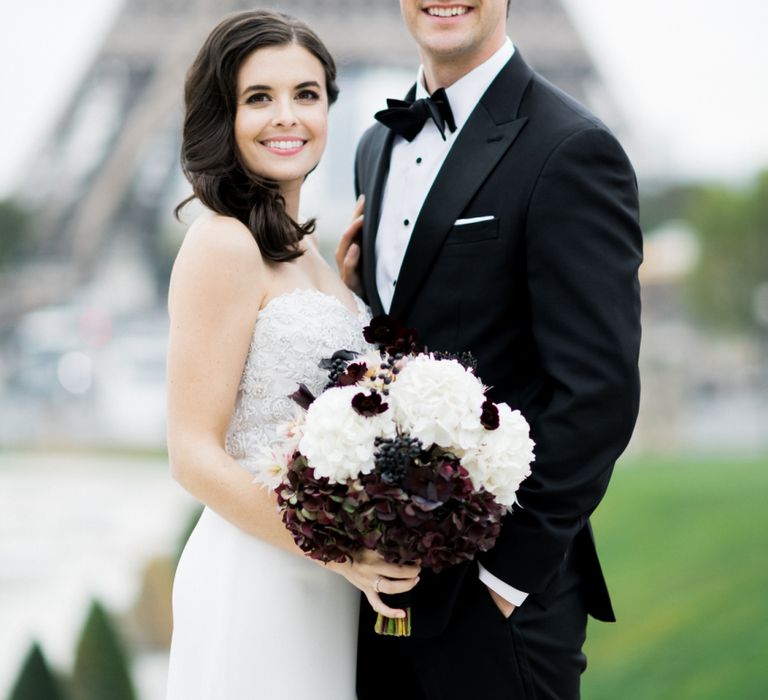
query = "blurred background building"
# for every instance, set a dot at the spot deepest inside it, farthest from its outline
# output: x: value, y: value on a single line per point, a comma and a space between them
x: 87, y: 240
x: 83, y: 315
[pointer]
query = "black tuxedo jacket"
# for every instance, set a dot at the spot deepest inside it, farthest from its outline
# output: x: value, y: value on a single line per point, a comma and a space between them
x: 545, y: 295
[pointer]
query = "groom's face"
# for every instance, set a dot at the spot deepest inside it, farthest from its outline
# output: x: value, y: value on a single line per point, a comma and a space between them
x: 464, y: 32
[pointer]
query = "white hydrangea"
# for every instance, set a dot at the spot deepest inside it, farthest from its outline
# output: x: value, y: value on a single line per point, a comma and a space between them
x: 440, y: 402
x: 503, y: 458
x: 337, y: 441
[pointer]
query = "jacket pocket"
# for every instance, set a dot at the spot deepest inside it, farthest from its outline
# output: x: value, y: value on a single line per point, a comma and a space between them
x: 487, y: 230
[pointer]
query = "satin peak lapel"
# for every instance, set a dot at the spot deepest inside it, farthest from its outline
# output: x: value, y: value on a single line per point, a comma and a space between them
x: 478, y: 148
x: 382, y: 148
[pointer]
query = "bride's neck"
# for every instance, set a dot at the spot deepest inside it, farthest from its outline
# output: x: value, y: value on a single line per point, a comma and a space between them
x: 292, y: 196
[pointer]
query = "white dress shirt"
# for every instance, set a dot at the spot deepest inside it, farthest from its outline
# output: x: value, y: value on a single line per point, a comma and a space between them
x: 413, y: 168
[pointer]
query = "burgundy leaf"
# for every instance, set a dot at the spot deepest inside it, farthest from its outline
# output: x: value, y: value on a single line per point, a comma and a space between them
x: 303, y: 396
x: 382, y: 330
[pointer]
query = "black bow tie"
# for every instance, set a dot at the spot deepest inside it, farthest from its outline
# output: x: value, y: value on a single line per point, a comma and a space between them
x: 407, y: 118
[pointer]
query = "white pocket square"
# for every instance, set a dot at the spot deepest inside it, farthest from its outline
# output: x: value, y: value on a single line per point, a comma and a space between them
x: 473, y: 220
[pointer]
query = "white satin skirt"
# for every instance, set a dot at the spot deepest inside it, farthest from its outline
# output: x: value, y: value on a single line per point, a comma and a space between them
x: 252, y: 621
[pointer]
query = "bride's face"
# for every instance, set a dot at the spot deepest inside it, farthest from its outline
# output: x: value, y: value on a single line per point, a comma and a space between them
x: 281, y: 123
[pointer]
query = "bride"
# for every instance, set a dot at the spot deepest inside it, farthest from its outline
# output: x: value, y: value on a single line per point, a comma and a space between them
x: 253, y: 308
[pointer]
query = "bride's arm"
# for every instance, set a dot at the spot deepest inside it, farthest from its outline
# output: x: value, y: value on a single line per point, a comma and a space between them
x: 218, y: 282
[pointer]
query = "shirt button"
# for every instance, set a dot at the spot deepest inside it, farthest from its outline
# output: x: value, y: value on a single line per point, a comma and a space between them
x: 394, y: 283
x: 406, y: 222
x: 418, y: 161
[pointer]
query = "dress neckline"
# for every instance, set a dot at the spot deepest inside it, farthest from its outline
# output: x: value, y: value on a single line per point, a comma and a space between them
x: 312, y: 291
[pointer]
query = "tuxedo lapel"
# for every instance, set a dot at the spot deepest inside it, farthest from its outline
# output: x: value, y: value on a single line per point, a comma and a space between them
x: 488, y: 134
x: 382, y: 148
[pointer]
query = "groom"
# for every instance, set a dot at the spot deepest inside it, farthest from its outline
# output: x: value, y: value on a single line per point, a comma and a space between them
x: 501, y: 218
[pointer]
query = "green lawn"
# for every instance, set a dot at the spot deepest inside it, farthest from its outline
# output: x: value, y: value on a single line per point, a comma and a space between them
x: 684, y: 545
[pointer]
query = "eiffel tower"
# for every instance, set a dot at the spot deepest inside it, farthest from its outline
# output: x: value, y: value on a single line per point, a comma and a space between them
x: 109, y: 170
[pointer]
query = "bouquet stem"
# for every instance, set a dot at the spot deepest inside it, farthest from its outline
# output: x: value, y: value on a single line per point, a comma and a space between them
x: 394, y: 627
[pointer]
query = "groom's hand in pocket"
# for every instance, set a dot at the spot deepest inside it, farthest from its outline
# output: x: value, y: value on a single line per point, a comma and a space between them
x: 348, y: 250
x: 505, y: 607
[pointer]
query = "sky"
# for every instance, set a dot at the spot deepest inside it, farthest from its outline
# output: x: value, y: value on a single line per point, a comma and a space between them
x: 690, y: 77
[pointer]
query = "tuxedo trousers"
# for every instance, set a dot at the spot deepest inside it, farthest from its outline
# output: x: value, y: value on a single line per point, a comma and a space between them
x: 536, y: 653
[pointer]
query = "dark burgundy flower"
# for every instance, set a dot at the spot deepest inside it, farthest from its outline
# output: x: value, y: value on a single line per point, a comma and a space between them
x: 425, y: 504
x: 369, y: 405
x: 490, y: 415
x: 385, y: 512
x: 303, y: 396
x: 412, y: 517
x: 382, y: 330
x: 388, y: 333
x: 355, y: 372
x: 311, y: 512
x: 434, y: 516
x: 406, y: 342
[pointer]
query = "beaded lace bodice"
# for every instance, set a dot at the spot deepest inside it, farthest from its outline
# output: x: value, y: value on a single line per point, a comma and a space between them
x: 293, y: 332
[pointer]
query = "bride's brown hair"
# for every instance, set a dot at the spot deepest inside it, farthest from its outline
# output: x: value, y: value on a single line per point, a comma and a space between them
x: 210, y: 158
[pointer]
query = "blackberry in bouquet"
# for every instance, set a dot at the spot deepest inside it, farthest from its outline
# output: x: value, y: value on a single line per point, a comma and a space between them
x: 402, y: 453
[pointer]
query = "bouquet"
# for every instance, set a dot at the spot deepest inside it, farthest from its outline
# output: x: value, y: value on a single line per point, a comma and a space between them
x: 401, y: 453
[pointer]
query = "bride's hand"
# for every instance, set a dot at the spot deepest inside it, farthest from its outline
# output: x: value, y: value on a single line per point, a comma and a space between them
x: 348, y: 250
x: 372, y: 575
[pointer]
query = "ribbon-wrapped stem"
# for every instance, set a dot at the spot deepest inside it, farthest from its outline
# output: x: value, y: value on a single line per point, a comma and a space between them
x: 394, y: 626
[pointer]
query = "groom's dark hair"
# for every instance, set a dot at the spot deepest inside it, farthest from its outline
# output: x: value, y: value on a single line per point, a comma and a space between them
x: 210, y: 158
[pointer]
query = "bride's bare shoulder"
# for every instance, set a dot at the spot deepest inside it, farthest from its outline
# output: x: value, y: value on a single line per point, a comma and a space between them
x: 215, y: 237
x: 219, y: 259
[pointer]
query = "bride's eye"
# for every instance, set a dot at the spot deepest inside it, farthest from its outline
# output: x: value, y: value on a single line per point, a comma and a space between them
x: 256, y: 97
x: 308, y: 96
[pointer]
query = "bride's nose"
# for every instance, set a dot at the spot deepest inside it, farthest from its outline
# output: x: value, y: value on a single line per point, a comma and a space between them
x: 285, y: 114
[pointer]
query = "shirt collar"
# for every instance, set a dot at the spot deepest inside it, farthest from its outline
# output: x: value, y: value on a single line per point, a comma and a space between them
x: 466, y: 92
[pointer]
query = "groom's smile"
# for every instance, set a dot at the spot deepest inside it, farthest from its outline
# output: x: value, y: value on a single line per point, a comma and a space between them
x: 447, y: 12
x: 463, y: 34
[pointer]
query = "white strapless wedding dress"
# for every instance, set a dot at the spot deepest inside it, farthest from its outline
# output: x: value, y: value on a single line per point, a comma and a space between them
x: 251, y: 621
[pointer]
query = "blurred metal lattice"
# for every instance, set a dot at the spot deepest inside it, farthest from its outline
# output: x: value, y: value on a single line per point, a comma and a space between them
x: 107, y: 166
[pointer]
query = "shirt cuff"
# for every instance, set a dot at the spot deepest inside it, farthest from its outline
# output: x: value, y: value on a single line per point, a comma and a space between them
x: 509, y: 593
